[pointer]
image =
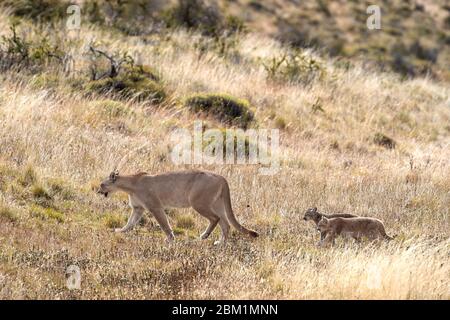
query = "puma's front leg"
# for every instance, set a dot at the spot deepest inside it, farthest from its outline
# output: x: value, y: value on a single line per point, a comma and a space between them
x: 134, y: 218
x: 161, y: 217
x: 329, y: 239
x: 323, y: 234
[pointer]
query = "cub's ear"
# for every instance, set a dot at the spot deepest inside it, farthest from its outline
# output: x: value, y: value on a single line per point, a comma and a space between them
x: 315, y: 209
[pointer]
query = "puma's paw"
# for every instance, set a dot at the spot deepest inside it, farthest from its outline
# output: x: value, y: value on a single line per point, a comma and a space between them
x: 204, y: 236
x: 170, y: 240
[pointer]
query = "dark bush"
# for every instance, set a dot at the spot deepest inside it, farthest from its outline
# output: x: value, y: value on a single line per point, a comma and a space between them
x: 402, y: 65
x: 423, y: 53
x: 38, y: 10
x: 129, y: 86
x: 384, y: 141
x: 294, y: 66
x: 139, y: 72
x: 130, y: 17
x: 201, y: 15
x: 117, y: 75
x: 223, y: 107
x: 19, y: 52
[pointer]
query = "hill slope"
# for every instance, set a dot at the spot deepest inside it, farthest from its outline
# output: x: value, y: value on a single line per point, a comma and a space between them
x: 353, y: 139
x: 414, y: 38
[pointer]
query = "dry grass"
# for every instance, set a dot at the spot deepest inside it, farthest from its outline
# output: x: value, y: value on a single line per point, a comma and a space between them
x: 57, y: 144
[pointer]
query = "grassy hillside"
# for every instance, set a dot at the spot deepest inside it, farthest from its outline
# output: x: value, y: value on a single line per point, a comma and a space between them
x: 353, y: 139
x: 414, y: 38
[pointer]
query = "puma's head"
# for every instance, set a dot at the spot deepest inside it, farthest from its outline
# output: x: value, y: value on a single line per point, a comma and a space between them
x: 323, y: 224
x: 109, y: 184
x: 311, y: 214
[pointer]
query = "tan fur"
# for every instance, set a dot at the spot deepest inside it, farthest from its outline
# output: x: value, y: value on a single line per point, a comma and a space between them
x: 354, y: 227
x: 316, y: 216
x: 206, y: 192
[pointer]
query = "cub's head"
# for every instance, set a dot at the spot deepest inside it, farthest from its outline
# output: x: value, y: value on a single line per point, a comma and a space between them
x: 323, y: 224
x: 311, y: 214
x: 109, y: 184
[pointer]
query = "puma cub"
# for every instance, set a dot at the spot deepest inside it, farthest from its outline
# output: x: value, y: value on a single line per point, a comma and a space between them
x: 354, y: 227
x: 314, y: 215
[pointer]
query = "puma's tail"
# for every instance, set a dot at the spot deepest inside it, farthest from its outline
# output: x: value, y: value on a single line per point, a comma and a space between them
x: 230, y: 215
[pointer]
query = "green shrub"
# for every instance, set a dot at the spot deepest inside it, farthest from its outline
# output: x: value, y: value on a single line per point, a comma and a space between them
x: 114, y: 220
x: 17, y: 51
x: 138, y: 72
x: 138, y: 82
x: 40, y: 192
x: 45, y: 80
x: 223, y: 107
x: 178, y: 231
x: 46, y: 213
x: 294, y: 66
x: 224, y: 45
x: 43, y: 51
x: 129, y: 88
x: 60, y: 188
x: 185, y: 222
x: 7, y: 213
x: 280, y: 123
x: 14, y: 45
x: 28, y: 177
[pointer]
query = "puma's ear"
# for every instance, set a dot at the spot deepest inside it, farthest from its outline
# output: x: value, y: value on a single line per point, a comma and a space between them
x: 113, y: 175
x: 315, y: 209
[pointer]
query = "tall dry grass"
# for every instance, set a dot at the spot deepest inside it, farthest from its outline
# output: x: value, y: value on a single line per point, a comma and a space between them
x: 60, y: 141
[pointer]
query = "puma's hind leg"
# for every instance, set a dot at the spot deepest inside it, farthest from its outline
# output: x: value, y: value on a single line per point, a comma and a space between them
x: 212, y: 218
x: 212, y: 225
x: 219, y: 210
x: 225, y: 227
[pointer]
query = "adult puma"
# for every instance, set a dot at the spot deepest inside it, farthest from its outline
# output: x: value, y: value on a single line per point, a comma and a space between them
x: 206, y: 192
x: 354, y: 227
